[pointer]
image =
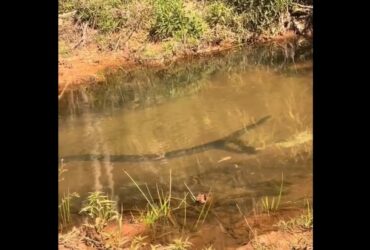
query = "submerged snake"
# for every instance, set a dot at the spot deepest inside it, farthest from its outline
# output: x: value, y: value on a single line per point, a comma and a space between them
x: 222, y: 144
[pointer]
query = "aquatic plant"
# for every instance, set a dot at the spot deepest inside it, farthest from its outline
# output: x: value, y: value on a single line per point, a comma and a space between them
x: 64, y: 208
x: 155, y: 211
x: 269, y: 204
x: 162, y: 210
x: 64, y: 203
x: 61, y: 171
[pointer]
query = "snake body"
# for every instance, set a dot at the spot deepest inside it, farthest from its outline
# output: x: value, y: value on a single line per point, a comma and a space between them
x: 222, y: 144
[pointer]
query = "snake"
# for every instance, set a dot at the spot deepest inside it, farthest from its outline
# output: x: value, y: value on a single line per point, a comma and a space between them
x: 223, y: 143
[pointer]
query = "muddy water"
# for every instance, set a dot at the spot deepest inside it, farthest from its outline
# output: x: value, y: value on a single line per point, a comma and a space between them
x: 160, y: 110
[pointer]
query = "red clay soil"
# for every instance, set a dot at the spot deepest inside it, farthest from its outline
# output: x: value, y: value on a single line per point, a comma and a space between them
x: 87, y: 64
x: 127, y: 230
x: 281, y: 240
x: 221, y: 236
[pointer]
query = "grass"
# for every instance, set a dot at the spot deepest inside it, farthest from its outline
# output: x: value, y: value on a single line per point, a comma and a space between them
x: 66, y: 6
x: 115, y: 23
x: 219, y: 13
x: 262, y: 16
x: 104, y: 15
x: 155, y: 211
x: 272, y: 204
x: 173, y: 20
x: 61, y: 171
x: 302, y: 222
x: 138, y: 242
x: 63, y: 49
x: 297, y: 227
x: 64, y: 208
x: 100, y: 208
x: 64, y: 204
x: 165, y: 208
x: 179, y: 244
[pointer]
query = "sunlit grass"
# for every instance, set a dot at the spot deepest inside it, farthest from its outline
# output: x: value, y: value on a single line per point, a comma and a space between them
x: 272, y: 204
x: 65, y: 208
x: 64, y: 204
x: 155, y: 211
x: 138, y: 242
x: 166, y: 208
x: 100, y: 209
x: 302, y: 222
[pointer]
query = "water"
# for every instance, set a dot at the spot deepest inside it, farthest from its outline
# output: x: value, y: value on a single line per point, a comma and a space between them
x: 152, y: 111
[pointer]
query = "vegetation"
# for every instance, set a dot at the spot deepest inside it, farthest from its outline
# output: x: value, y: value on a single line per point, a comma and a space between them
x: 219, y: 13
x: 166, y: 209
x: 182, y: 215
x: 100, y: 209
x: 159, y: 29
x: 103, y: 15
x: 65, y: 209
x: 66, y: 6
x: 64, y: 203
x: 171, y: 19
x: 302, y: 222
x: 272, y: 204
x: 180, y: 244
x: 155, y: 211
x: 184, y: 79
x: 263, y: 16
x: 195, y: 24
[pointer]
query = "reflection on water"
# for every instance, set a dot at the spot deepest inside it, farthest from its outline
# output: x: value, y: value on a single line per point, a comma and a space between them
x: 156, y: 111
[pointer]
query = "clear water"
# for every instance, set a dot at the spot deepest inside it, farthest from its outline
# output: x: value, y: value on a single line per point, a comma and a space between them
x: 160, y: 110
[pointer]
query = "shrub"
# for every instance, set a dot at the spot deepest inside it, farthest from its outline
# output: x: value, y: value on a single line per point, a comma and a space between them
x: 219, y: 13
x: 66, y: 6
x: 261, y: 15
x: 171, y: 20
x: 99, y: 208
x: 104, y: 15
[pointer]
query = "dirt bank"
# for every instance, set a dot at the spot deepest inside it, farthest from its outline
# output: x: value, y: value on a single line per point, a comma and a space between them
x: 263, y: 231
x: 88, y: 65
x: 136, y: 33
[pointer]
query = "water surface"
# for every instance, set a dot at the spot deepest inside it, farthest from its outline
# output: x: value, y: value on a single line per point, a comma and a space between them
x: 152, y: 111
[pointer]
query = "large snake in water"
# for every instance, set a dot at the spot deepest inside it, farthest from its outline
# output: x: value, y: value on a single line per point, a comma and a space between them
x: 222, y: 144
